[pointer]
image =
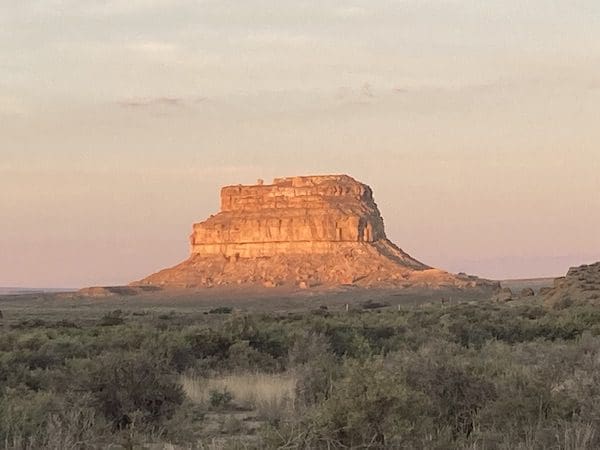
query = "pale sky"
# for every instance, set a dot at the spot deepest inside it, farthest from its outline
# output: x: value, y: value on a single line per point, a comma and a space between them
x: 476, y: 123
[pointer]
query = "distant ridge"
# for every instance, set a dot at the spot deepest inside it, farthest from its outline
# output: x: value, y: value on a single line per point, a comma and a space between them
x: 25, y: 291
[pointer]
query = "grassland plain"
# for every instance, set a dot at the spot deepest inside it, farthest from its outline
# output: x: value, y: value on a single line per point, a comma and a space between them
x: 226, y: 371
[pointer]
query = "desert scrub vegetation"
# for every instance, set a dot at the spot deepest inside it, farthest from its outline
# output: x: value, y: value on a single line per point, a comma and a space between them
x: 475, y: 375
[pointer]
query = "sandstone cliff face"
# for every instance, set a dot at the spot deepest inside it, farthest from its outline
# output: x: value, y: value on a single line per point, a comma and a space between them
x: 303, y: 231
x: 301, y: 214
x: 581, y: 285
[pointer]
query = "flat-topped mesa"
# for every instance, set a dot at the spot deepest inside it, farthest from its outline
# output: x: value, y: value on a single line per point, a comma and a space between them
x: 303, y: 232
x: 307, y: 214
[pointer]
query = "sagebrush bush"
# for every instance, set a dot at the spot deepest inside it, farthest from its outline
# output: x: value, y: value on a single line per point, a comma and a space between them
x: 122, y: 385
x: 220, y: 398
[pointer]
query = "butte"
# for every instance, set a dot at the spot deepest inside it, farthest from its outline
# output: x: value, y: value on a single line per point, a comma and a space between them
x: 303, y: 231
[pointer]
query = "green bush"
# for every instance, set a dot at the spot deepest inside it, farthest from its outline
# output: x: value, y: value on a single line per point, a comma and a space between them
x: 122, y: 385
x: 220, y: 398
x: 221, y: 310
x: 370, y: 405
x: 112, y: 318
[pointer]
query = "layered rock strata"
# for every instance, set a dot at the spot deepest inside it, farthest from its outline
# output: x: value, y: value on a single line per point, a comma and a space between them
x: 306, y: 215
x: 304, y: 231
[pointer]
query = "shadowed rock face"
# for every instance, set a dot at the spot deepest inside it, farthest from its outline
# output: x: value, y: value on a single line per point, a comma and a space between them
x: 304, y: 231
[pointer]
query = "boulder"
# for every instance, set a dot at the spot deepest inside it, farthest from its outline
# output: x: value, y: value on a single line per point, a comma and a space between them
x: 581, y: 285
x: 527, y: 292
x: 503, y: 295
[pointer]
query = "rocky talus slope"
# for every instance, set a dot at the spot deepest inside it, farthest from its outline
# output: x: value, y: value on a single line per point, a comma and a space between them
x: 581, y: 285
x: 301, y: 231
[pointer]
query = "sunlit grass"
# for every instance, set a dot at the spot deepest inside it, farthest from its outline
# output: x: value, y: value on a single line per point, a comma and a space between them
x: 271, y: 395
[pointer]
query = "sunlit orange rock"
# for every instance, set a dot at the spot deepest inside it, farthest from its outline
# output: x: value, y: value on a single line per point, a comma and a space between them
x: 303, y: 231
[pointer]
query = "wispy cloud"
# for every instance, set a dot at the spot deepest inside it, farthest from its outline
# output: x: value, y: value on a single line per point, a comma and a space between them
x: 153, y: 47
x: 348, y: 12
x: 90, y: 8
x: 559, y: 77
x: 278, y: 38
x: 164, y: 102
x: 115, y: 7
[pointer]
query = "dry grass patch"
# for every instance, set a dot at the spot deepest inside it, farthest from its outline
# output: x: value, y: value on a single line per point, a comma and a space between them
x: 271, y: 395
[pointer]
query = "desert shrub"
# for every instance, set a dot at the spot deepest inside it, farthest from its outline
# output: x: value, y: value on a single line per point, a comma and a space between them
x: 24, y: 415
x: 36, y: 359
x: 321, y: 312
x: 209, y: 344
x: 63, y: 323
x: 33, y: 420
x: 221, y: 310
x: 243, y: 357
x: 348, y: 341
x: 63, y: 347
x: 315, y: 379
x: 383, y: 338
x: 306, y: 347
x: 29, y: 323
x: 172, y: 347
x: 274, y: 342
x: 112, y: 318
x: 180, y: 358
x: 455, y: 395
x: 369, y: 405
x: 373, y: 304
x: 220, y: 398
x: 315, y: 367
x: 264, y: 333
x: 122, y: 385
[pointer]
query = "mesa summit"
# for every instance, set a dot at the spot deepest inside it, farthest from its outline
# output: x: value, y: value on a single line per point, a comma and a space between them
x: 302, y: 231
